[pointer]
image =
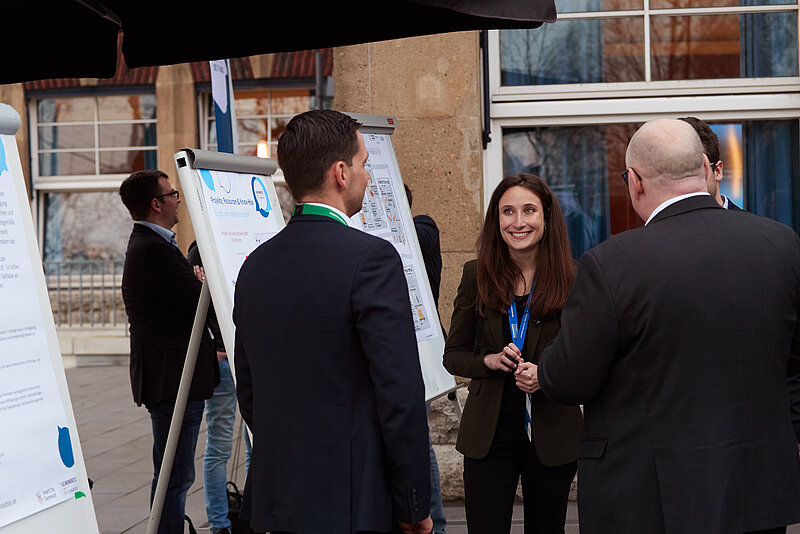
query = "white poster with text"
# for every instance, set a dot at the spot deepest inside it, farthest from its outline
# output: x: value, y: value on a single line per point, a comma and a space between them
x: 37, y: 462
x: 381, y: 216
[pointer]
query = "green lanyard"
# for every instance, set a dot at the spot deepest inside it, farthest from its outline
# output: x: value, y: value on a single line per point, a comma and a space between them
x: 311, y: 209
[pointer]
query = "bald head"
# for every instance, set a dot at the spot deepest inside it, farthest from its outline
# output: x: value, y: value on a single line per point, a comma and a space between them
x: 669, y: 153
x: 668, y: 160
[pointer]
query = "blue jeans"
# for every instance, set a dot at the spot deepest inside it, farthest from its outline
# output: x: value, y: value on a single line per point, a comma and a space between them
x: 437, y: 509
x: 220, y: 418
x: 182, y: 475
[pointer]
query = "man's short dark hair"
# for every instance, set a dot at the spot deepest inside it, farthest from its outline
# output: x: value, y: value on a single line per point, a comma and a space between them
x: 707, y: 137
x: 138, y: 190
x: 311, y: 143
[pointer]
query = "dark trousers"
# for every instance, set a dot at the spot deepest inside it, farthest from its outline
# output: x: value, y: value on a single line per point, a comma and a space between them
x: 182, y: 475
x: 490, y: 486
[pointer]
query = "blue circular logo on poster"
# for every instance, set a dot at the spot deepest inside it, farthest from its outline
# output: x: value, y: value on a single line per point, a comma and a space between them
x: 260, y: 197
x: 3, y: 164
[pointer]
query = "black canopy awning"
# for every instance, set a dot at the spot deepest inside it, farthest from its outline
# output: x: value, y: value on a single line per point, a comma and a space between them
x: 78, y: 38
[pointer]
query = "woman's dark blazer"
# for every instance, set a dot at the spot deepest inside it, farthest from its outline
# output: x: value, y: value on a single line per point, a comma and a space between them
x: 555, y: 428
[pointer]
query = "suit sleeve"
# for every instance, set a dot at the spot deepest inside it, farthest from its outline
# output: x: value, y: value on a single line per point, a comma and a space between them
x: 793, y: 369
x: 793, y: 378
x: 573, y: 368
x: 460, y: 358
x: 181, y: 289
x: 382, y: 313
x: 193, y: 256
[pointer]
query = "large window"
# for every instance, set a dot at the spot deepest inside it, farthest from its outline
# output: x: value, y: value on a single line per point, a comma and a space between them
x: 567, y: 97
x: 667, y: 40
x: 261, y: 117
x: 582, y: 164
x: 83, y: 147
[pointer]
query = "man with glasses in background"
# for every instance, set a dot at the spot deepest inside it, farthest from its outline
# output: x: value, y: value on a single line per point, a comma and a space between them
x: 161, y: 290
x: 711, y: 150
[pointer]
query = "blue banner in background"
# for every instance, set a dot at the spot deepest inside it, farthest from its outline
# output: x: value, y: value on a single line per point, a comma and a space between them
x: 222, y: 93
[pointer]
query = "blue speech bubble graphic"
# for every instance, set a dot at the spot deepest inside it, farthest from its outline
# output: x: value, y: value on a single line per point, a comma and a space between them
x: 207, y: 178
x: 65, y: 447
x: 261, y: 197
x: 3, y: 164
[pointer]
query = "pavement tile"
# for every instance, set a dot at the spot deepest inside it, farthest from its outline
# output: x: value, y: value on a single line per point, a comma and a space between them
x: 117, y: 444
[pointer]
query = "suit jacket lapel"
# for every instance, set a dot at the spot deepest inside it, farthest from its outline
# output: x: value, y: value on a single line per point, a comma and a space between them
x: 494, y: 329
x: 534, y: 329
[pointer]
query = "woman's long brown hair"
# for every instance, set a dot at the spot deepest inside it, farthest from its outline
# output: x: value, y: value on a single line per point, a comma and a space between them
x: 498, y: 273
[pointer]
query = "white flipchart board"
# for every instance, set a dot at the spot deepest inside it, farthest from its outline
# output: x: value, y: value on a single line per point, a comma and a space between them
x: 386, y: 214
x: 234, y: 208
x: 43, y: 481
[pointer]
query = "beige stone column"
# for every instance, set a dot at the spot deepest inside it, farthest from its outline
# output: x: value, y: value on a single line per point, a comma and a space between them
x: 432, y: 85
x: 176, y: 109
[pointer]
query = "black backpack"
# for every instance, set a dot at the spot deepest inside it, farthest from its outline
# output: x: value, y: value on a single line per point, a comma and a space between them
x: 238, y: 525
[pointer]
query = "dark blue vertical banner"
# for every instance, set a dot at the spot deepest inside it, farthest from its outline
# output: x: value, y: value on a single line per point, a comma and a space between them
x: 222, y: 93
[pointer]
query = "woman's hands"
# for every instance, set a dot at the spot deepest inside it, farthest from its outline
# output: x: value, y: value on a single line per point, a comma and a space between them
x: 506, y: 360
x: 510, y: 361
x: 527, y: 377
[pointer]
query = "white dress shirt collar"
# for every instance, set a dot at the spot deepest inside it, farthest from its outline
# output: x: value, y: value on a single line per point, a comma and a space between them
x: 672, y: 201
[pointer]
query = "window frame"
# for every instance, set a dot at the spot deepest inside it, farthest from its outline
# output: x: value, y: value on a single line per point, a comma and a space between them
x: 205, y: 119
x: 736, y: 99
x: 647, y: 87
x: 84, y: 183
x: 81, y: 182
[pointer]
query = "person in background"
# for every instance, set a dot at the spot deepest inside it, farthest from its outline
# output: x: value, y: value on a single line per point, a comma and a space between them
x: 506, y: 311
x: 161, y: 291
x: 220, y: 413
x: 711, y: 150
x: 428, y: 236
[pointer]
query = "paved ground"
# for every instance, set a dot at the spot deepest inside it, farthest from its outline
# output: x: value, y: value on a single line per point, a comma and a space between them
x: 117, y: 445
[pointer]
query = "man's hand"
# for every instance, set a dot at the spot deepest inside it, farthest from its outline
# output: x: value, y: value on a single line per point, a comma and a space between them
x: 504, y: 361
x: 221, y: 355
x: 423, y: 527
x: 199, y: 272
x: 527, y: 376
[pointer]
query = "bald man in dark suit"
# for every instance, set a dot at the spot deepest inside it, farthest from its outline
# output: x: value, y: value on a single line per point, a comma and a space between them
x: 678, y: 338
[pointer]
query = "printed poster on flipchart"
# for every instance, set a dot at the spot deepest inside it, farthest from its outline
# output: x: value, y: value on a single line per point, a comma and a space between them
x: 37, y: 465
x: 244, y: 212
x: 381, y: 216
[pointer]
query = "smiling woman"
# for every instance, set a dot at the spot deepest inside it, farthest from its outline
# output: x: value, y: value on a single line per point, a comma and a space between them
x: 506, y: 311
x: 521, y: 223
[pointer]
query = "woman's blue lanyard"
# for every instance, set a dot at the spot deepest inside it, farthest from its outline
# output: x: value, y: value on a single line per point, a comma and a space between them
x: 518, y: 338
x: 518, y: 329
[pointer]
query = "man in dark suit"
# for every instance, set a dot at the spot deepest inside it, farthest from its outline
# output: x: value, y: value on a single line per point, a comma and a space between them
x: 711, y: 150
x: 676, y: 338
x: 428, y: 237
x: 328, y: 375
x: 161, y: 291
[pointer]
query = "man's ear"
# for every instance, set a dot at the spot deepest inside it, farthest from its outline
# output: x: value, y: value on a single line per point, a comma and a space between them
x: 339, y: 172
x: 637, y: 186
x: 155, y: 205
x: 718, y: 172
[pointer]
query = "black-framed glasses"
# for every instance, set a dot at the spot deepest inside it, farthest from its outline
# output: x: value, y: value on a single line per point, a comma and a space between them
x: 624, y: 175
x: 174, y: 193
x: 714, y: 166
